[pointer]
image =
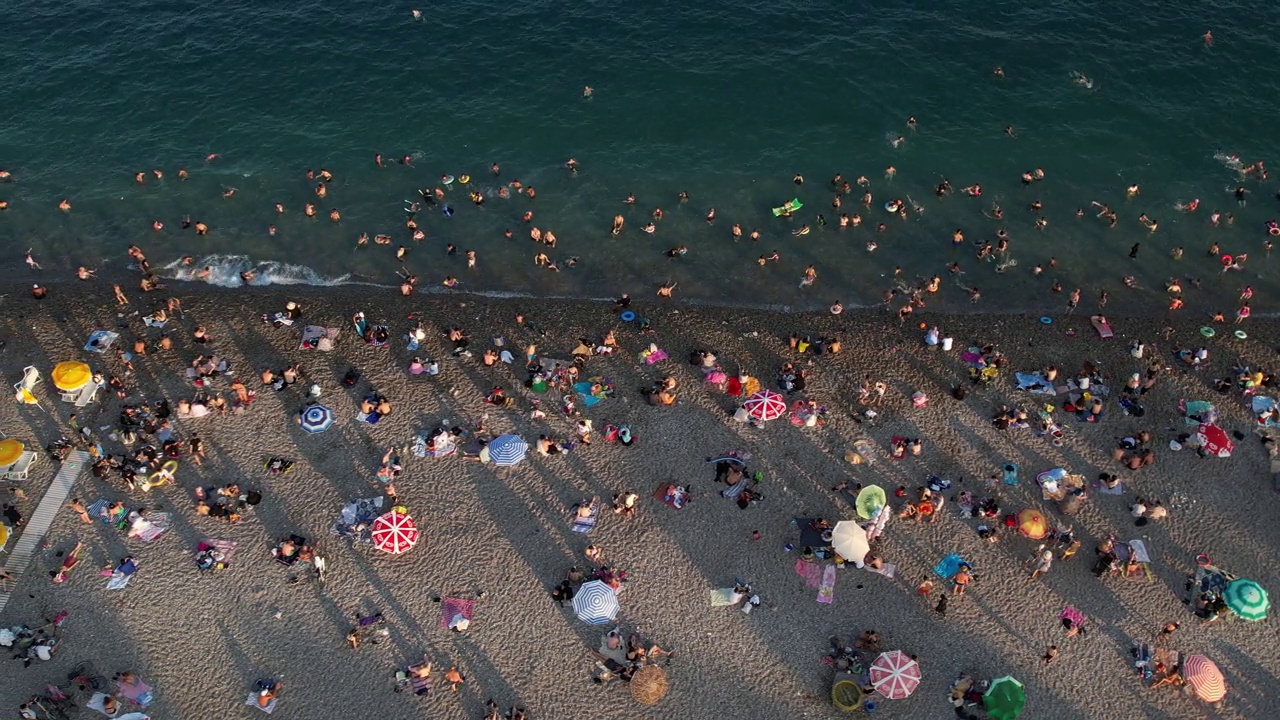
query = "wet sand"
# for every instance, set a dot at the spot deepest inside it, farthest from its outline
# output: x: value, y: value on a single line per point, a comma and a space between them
x: 202, y: 640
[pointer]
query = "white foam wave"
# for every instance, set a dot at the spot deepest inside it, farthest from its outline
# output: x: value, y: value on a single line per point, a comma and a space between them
x: 228, y: 270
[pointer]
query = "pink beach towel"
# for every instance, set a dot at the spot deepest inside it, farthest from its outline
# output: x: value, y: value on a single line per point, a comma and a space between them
x: 810, y: 571
x: 827, y: 592
x: 450, y: 606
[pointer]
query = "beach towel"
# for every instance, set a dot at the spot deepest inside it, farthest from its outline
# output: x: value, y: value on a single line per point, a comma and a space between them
x: 583, y: 390
x: 1117, y: 490
x: 585, y: 524
x: 100, y: 341
x: 157, y: 524
x: 1261, y: 404
x: 667, y: 494
x: 139, y: 693
x: 119, y: 580
x: 653, y: 355
x: 1010, y: 473
x: 98, y: 702
x: 1034, y: 383
x: 827, y: 590
x: 315, y: 337
x: 724, y: 597
x: 356, y: 518
x: 736, y: 489
x: 809, y: 535
x: 888, y: 570
x: 1074, y: 616
x: 1199, y: 412
x: 451, y: 607
x: 950, y: 565
x: 252, y: 701
x: 810, y: 571
x: 215, y: 554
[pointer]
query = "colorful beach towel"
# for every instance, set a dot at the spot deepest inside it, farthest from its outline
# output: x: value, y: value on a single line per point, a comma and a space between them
x: 1072, y: 615
x: 138, y: 692
x: 159, y: 522
x: 452, y: 607
x: 315, y: 337
x: 888, y: 570
x: 950, y: 565
x: 668, y: 494
x: 827, y: 590
x: 810, y: 571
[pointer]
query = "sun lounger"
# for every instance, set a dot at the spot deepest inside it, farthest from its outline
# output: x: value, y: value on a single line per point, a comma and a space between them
x: 19, y: 470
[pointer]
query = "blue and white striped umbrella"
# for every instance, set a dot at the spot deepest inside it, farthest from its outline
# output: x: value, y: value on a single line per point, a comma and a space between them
x: 316, y: 418
x: 596, y: 603
x: 507, y: 450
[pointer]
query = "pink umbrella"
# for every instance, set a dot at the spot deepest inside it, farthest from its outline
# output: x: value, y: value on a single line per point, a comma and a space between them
x: 1214, y: 440
x: 895, y: 675
x: 766, y: 405
x: 395, y: 532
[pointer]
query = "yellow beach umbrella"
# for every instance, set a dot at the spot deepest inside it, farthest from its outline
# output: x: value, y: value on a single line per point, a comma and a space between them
x: 71, y: 375
x: 10, y: 451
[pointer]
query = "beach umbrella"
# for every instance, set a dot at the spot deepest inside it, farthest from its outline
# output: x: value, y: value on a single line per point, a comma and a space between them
x: 1033, y: 524
x: 1247, y: 599
x: 596, y: 603
x: 870, y: 499
x: 895, y: 675
x: 850, y: 540
x: 10, y: 451
x: 649, y: 684
x: 765, y: 405
x: 71, y: 375
x: 507, y: 450
x: 1204, y: 677
x: 1004, y: 699
x: 394, y: 532
x: 317, y: 418
x: 1214, y: 440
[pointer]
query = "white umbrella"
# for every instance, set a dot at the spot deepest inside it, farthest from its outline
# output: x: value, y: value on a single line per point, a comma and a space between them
x: 850, y: 540
x: 596, y: 603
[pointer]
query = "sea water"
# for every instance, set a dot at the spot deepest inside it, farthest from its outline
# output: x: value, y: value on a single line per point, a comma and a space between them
x: 724, y: 101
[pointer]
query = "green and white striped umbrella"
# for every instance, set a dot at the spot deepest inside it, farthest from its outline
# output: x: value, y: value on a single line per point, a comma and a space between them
x: 1247, y: 599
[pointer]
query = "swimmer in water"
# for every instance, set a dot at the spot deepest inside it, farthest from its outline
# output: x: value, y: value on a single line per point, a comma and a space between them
x: 31, y: 261
x: 85, y: 273
x: 998, y: 71
x: 711, y: 216
x: 676, y: 252
x: 1132, y: 191
x: 1008, y: 130
x: 802, y: 230
x: 228, y: 192
x: 618, y: 222
x: 471, y: 259
x: 588, y: 91
x: 65, y: 205
x: 911, y: 122
x: 890, y: 172
x: 1208, y: 38
x: 334, y: 215
x: 810, y: 276
x: 667, y: 289
x: 400, y: 251
x: 798, y: 179
x: 210, y: 157
x: 898, y: 141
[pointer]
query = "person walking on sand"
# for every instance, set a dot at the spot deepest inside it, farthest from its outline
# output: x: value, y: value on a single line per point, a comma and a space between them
x: 454, y: 678
x: 1050, y: 654
x: 961, y: 580
x: 77, y: 506
x: 1043, y: 564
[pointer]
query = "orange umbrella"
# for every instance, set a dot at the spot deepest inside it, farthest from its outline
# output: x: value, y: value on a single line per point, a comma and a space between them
x: 10, y: 451
x: 1033, y: 524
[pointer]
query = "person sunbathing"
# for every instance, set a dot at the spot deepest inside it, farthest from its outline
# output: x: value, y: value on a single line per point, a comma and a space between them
x: 384, y: 407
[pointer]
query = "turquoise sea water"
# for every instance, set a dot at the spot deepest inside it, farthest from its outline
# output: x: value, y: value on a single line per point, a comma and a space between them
x: 726, y: 101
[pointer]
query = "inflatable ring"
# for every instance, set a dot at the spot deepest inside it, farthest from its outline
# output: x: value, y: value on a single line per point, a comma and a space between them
x: 892, y: 206
x: 163, y: 475
x: 627, y: 316
x: 447, y: 179
x: 464, y: 179
x: 1057, y: 442
x: 1274, y: 230
x: 1207, y: 331
x: 1240, y: 335
x: 1226, y: 261
x: 1046, y: 320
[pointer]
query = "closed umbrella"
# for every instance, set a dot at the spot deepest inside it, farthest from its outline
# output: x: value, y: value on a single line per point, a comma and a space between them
x: 394, y: 532
x: 10, y: 451
x: 850, y: 541
x: 1033, y: 524
x: 1214, y: 440
x: 870, y: 499
x: 1004, y: 699
x: 1204, y: 677
x: 316, y: 418
x: 895, y: 675
x: 649, y: 684
x: 71, y: 375
x: 596, y: 603
x: 507, y: 450
x: 766, y: 405
x: 1247, y: 599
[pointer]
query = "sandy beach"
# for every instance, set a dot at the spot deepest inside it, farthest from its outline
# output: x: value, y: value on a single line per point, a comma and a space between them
x: 503, y: 535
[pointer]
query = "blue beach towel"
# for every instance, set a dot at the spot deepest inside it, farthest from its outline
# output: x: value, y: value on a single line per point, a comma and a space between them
x: 950, y: 565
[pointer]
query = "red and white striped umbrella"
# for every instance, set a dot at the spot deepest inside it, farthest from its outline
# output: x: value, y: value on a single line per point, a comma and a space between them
x: 1204, y: 677
x: 766, y: 405
x: 395, y: 532
x: 895, y: 675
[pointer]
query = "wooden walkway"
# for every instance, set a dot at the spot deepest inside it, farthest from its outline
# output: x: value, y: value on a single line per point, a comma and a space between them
x: 42, y: 519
